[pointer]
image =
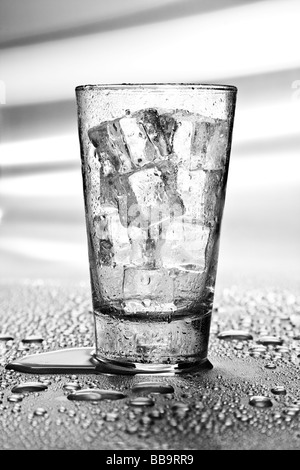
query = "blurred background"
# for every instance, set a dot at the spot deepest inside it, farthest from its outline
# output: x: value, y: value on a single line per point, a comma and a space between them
x: 48, y: 48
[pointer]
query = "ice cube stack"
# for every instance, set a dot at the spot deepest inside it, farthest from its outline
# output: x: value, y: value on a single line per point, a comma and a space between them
x: 162, y: 177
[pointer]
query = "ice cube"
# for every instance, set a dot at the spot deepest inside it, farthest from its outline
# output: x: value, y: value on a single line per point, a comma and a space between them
x: 131, y: 142
x: 151, y: 284
x: 149, y: 191
x: 148, y: 136
x: 169, y: 171
x: 191, y: 187
x: 217, y: 147
x: 213, y: 196
x: 195, y: 242
x: 202, y: 192
x: 200, y: 137
x: 102, y: 240
x: 150, y: 121
x: 169, y: 126
x: 137, y: 237
x: 112, y: 242
x: 152, y: 214
x: 185, y: 245
x: 182, y: 143
x: 200, y: 142
x: 120, y: 240
x: 116, y: 192
x: 189, y: 287
x: 141, y: 149
x: 209, y: 144
x: 111, y: 284
x: 110, y: 145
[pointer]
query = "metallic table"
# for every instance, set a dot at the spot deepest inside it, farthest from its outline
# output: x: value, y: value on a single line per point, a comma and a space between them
x: 250, y: 399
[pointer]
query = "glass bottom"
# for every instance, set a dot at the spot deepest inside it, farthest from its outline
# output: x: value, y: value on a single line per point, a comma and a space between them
x: 147, y: 346
x: 102, y: 366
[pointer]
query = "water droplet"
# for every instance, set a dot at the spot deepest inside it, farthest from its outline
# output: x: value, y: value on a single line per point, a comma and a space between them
x: 15, y: 398
x: 153, y: 387
x: 156, y: 414
x: 295, y: 319
x: 141, y: 401
x: 146, y: 420
x: 40, y: 412
x: 268, y: 339
x: 270, y: 365
x: 230, y: 335
x: 45, y: 381
x: 258, y: 350
x: 180, y: 408
x: 6, y: 337
x: 94, y: 394
x: 278, y: 390
x: 292, y: 410
x: 132, y: 429
x: 282, y: 349
x: 22, y: 347
x: 33, y: 339
x: 29, y: 387
x: 72, y: 386
x: 111, y: 416
x: 260, y: 401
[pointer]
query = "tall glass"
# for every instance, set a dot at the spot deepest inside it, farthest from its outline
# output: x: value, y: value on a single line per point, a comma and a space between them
x: 154, y: 163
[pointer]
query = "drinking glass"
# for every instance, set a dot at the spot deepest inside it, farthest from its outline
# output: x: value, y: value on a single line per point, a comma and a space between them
x: 155, y: 162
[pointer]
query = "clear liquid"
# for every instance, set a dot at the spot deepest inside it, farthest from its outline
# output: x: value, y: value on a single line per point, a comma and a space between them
x: 154, y: 191
x: 149, y: 345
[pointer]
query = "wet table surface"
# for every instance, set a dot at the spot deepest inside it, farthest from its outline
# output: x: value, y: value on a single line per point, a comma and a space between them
x: 249, y: 400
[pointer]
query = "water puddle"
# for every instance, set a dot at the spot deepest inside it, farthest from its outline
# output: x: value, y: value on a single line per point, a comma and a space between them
x: 83, y: 360
x: 152, y: 387
x: 29, y: 387
x: 141, y: 401
x: 240, y: 335
x: 94, y: 394
x: 270, y: 340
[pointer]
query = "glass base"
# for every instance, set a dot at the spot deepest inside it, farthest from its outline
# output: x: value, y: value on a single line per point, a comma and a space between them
x: 131, y: 346
x: 102, y: 366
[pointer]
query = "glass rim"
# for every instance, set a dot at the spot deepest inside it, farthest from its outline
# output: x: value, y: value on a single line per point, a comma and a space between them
x: 180, y: 85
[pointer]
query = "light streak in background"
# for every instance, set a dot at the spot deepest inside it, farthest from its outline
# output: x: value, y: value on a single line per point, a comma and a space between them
x: 48, y: 250
x: 252, y: 124
x: 54, y: 149
x: 42, y: 213
x: 238, y: 41
x: 36, y: 21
